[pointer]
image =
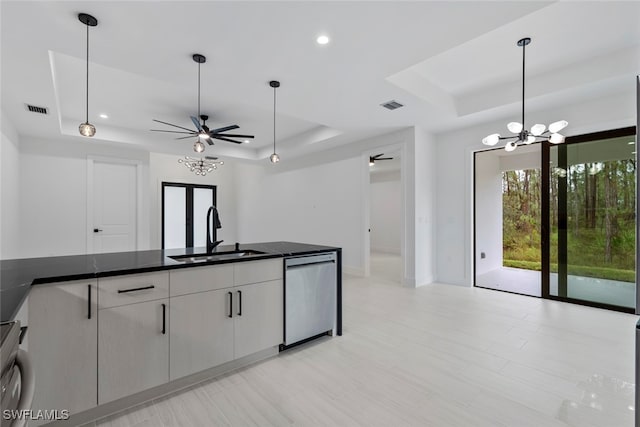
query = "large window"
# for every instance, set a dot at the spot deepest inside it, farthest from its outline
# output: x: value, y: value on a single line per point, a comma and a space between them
x: 184, y: 214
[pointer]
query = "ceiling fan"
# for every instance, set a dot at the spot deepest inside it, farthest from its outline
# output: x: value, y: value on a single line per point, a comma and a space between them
x: 372, y: 159
x: 202, y: 131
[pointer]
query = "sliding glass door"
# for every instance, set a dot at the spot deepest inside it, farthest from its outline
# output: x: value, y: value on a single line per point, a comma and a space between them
x: 589, y: 233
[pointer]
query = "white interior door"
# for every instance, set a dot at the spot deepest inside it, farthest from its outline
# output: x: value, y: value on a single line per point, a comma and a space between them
x: 114, y: 207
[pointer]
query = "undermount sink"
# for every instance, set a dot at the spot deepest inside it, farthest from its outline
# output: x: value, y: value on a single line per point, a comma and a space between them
x: 216, y: 256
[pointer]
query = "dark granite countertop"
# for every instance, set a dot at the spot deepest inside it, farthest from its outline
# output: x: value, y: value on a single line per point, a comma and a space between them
x: 18, y: 275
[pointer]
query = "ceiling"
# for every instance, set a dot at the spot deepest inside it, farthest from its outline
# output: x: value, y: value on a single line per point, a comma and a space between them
x: 452, y: 64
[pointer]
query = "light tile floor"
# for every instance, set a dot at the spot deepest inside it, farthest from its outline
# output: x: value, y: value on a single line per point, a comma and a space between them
x: 386, y: 267
x: 439, y: 355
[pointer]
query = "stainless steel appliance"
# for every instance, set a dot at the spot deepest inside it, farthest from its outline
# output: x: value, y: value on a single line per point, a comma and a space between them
x: 17, y: 383
x: 309, y: 296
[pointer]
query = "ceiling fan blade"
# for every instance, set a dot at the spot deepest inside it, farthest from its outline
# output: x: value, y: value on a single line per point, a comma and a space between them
x: 172, y: 131
x: 225, y: 139
x: 197, y: 123
x: 235, y: 136
x: 377, y: 156
x: 384, y: 158
x: 165, y: 123
x: 210, y: 141
x: 186, y: 137
x: 224, y: 129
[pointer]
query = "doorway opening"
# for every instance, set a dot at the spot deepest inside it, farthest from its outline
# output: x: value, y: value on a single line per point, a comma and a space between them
x: 385, y: 216
x: 508, y: 220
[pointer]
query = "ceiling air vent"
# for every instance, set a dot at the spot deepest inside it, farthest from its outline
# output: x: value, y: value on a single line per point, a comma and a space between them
x: 35, y: 109
x: 392, y: 105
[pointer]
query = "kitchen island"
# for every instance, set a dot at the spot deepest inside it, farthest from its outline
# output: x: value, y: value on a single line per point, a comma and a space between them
x: 107, y: 331
x: 18, y: 275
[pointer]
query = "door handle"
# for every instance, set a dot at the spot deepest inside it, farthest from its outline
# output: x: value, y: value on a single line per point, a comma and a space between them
x: 239, y: 303
x: 230, y: 304
x: 97, y: 230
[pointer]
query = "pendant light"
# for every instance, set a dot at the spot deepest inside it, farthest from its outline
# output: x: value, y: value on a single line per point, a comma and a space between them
x: 538, y: 132
x: 198, y: 146
x: 86, y: 128
x: 274, y: 157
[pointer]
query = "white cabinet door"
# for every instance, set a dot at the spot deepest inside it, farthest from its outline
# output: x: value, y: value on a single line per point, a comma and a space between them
x: 258, y: 317
x: 201, y: 332
x: 63, y: 345
x: 133, y: 348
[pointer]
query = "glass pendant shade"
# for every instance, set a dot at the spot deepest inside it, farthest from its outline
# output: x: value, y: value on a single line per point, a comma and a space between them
x: 556, y: 127
x: 556, y: 138
x: 514, y: 127
x: 510, y: 146
x: 538, y: 129
x: 274, y: 158
x: 491, y: 139
x: 87, y: 129
x: 198, y: 147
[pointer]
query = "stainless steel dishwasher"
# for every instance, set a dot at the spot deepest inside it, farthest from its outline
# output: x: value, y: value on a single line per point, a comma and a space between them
x: 309, y: 296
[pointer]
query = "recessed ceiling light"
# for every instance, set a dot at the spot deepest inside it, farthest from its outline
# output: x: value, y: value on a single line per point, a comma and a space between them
x: 104, y: 116
x: 322, y: 39
x: 246, y: 141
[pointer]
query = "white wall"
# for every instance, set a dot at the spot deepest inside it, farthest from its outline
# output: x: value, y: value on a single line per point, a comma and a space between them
x: 53, y: 194
x: 488, y: 187
x: 422, y: 172
x: 165, y: 168
x: 9, y: 193
x: 386, y: 212
x: 454, y: 168
x: 319, y: 204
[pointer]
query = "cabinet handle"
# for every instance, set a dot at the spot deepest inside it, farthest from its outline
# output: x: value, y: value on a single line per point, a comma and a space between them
x: 230, y: 304
x: 124, y: 291
x: 89, y: 302
x: 164, y: 319
x: 239, y: 303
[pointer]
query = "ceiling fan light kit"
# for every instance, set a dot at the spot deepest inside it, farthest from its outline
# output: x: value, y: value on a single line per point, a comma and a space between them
x: 202, y: 133
x: 86, y: 128
x: 538, y: 132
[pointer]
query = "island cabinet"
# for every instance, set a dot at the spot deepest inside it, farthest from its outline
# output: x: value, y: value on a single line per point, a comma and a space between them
x: 224, y: 312
x: 258, y: 320
x: 63, y: 345
x: 201, y: 332
x: 133, y: 334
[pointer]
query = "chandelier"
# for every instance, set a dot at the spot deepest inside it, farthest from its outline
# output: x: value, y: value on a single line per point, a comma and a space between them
x: 201, y: 166
x: 538, y: 132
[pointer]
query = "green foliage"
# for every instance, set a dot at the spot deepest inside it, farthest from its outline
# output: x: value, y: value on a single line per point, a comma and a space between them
x: 600, y: 219
x: 577, y: 270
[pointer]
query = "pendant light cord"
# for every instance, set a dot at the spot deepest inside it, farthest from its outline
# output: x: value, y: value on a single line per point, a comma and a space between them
x: 274, y: 120
x: 198, y: 90
x: 87, y: 99
x: 524, y: 45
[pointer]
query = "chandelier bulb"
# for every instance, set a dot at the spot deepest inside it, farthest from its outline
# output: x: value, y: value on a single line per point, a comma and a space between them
x: 556, y: 138
x: 514, y: 127
x: 491, y: 139
x: 510, y: 146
